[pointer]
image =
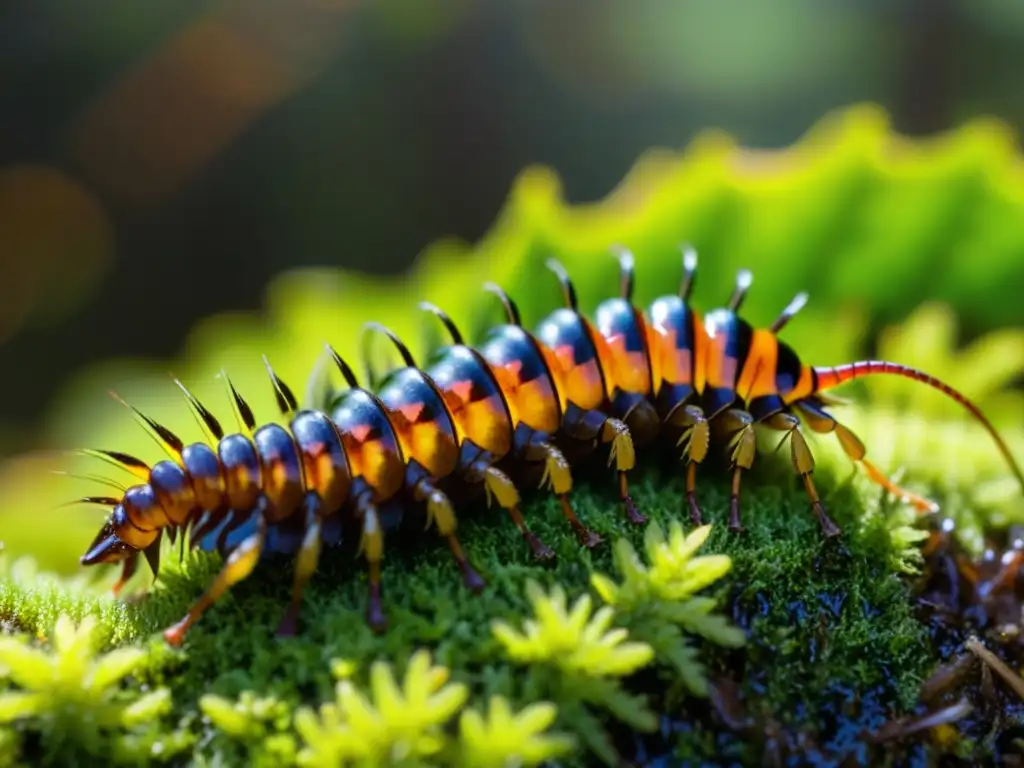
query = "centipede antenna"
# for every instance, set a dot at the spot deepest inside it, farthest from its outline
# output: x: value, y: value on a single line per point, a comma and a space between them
x: 441, y: 315
x: 286, y: 402
x: 626, y: 270
x: 103, y: 501
x: 403, y: 350
x: 109, y: 482
x: 243, y: 413
x: 567, y: 287
x: 206, y: 419
x: 123, y: 461
x: 166, y: 439
x: 791, y: 309
x: 689, y: 271
x: 346, y: 371
x: 743, y: 280
x: 828, y: 377
x: 511, y: 310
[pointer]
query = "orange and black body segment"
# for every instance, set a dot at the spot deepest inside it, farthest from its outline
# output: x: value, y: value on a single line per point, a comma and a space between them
x: 421, y: 420
x: 325, y: 468
x: 575, y: 363
x: 476, y: 402
x: 678, y: 344
x: 525, y: 378
x: 729, y: 341
x: 241, y: 473
x: 370, y: 442
x: 626, y: 361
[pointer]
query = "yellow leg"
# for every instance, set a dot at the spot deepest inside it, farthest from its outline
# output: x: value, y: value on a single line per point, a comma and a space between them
x: 694, y: 441
x: 371, y: 545
x: 500, y: 486
x: 558, y: 475
x: 305, y: 564
x: 822, y: 422
x: 240, y: 564
x: 623, y: 455
x: 743, y: 447
x: 441, y: 512
x: 803, y: 462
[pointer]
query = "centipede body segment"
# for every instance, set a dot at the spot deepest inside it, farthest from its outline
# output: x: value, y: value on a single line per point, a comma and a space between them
x: 403, y: 444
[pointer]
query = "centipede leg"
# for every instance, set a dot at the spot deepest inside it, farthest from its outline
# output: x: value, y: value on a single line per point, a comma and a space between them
x: 691, y: 493
x: 623, y: 455
x: 240, y: 563
x: 371, y: 545
x: 694, y: 440
x: 131, y: 564
x: 821, y: 421
x: 744, y: 447
x: 558, y: 475
x: 803, y: 462
x: 500, y: 486
x: 305, y: 564
x: 440, y: 512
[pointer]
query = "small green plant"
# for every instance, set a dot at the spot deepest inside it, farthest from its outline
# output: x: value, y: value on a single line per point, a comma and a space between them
x: 10, y: 747
x: 502, y: 738
x: 72, y: 696
x: 261, y: 724
x: 395, y: 726
x: 406, y: 725
x: 587, y: 657
x: 656, y: 602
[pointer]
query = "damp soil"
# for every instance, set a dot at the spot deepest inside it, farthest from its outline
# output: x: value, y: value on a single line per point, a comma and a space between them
x: 969, y: 712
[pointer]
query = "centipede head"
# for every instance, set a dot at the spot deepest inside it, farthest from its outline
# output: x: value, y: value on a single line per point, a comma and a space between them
x: 107, y: 547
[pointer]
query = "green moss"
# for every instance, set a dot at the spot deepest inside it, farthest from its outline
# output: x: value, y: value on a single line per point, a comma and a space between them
x: 836, y: 616
x: 71, y: 698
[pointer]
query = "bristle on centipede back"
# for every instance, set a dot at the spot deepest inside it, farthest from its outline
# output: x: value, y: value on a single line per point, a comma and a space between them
x: 689, y: 271
x: 744, y: 279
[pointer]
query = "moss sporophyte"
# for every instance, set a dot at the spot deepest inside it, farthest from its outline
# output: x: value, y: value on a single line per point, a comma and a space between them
x: 819, y: 641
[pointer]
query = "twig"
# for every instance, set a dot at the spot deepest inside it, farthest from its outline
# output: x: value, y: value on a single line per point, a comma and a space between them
x: 1012, y: 679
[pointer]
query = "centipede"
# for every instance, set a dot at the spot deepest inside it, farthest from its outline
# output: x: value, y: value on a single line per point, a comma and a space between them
x: 401, y: 444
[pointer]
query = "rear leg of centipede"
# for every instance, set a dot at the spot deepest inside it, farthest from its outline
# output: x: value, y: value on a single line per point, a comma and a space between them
x: 803, y: 463
x: 240, y: 563
x: 499, y: 486
x: 441, y: 513
x: 821, y: 421
x: 743, y: 447
x: 305, y: 563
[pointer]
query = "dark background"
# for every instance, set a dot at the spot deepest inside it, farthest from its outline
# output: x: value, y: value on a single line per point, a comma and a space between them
x: 160, y: 162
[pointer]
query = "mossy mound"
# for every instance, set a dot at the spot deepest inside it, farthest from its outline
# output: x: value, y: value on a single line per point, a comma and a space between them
x: 822, y: 617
